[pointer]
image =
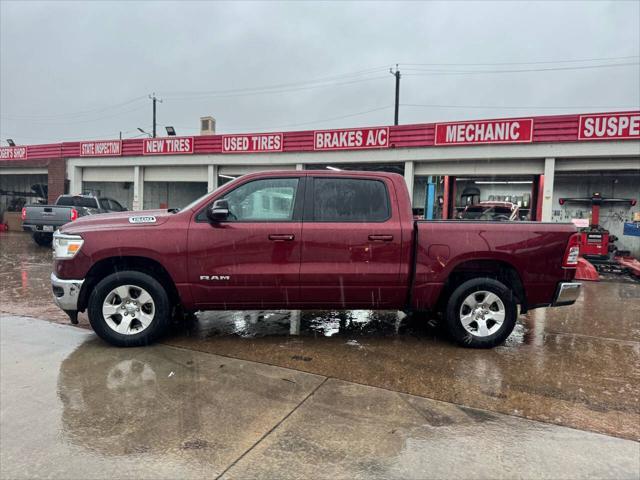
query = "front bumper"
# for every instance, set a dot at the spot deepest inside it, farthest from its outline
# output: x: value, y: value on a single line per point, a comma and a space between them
x: 567, y: 293
x: 66, y: 292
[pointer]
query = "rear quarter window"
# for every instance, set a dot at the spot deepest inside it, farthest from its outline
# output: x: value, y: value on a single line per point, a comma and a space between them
x: 350, y: 200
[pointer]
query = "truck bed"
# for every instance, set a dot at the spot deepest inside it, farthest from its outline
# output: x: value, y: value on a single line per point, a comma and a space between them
x: 534, y: 249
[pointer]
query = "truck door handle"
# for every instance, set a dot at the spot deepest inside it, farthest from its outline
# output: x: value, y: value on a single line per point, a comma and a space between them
x: 281, y: 237
x: 380, y: 238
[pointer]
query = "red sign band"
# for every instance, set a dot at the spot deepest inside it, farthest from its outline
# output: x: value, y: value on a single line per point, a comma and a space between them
x: 167, y: 146
x: 609, y: 126
x: 13, y: 153
x: 253, y: 143
x: 111, y: 148
x: 518, y: 130
x: 351, y: 139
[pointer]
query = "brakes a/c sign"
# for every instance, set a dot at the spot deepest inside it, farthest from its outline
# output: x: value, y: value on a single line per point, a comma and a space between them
x: 351, y: 139
x: 13, y: 153
x: 111, y: 148
x: 252, y: 143
x: 517, y: 130
x: 609, y: 126
x: 167, y: 146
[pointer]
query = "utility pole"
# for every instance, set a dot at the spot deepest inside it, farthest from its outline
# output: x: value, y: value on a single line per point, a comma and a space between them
x: 397, y: 75
x: 155, y: 99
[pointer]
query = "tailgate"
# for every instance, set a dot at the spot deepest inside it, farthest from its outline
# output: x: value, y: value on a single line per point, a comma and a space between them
x: 50, y: 215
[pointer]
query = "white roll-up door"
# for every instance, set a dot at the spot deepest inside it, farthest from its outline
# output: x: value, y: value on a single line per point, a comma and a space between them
x: 236, y: 170
x: 192, y: 173
x: 107, y: 174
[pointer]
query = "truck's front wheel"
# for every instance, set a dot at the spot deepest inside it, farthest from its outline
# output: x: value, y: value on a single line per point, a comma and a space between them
x: 481, y: 313
x: 129, y: 309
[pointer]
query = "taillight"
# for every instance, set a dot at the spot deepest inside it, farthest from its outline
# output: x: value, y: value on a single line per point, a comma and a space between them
x: 74, y: 214
x: 572, y: 252
x: 24, y: 213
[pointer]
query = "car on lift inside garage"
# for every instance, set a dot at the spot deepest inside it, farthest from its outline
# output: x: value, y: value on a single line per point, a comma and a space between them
x: 491, y: 211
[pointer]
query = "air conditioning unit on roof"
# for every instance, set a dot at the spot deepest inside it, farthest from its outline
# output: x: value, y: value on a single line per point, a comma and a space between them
x: 207, y: 125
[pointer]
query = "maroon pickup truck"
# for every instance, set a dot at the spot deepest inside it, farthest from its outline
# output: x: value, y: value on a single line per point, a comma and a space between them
x: 309, y: 240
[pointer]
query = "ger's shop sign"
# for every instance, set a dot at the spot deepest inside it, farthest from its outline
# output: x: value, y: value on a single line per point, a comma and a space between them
x: 609, y: 126
x: 351, y: 139
x: 112, y: 148
x: 13, y: 153
x: 167, y: 146
x: 255, y: 143
x: 518, y: 130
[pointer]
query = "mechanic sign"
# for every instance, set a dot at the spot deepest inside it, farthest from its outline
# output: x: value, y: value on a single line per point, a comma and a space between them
x: 519, y: 130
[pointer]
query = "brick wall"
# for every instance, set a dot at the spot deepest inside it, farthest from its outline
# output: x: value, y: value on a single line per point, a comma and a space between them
x: 57, y: 178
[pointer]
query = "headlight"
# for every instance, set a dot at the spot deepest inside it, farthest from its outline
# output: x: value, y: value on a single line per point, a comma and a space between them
x: 66, y: 246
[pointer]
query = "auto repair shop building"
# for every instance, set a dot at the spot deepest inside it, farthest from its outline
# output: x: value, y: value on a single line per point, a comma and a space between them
x: 531, y: 161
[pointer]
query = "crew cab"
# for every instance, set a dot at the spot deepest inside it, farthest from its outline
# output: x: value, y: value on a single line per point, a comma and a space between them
x: 309, y: 240
x: 43, y: 220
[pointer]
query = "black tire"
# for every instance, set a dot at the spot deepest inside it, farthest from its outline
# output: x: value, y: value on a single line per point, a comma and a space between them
x: 453, y: 313
x: 43, y: 239
x: 162, y: 314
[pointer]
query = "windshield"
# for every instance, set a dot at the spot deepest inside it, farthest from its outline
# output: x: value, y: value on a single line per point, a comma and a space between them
x: 87, y: 202
x: 481, y: 212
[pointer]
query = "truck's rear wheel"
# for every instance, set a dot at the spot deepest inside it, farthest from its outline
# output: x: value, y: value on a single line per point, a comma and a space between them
x: 43, y: 239
x: 481, y: 313
x: 129, y: 309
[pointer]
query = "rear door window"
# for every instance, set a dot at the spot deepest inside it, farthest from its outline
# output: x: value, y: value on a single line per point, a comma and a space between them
x: 350, y: 200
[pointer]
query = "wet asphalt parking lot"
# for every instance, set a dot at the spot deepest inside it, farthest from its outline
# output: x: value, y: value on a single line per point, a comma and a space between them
x: 321, y: 394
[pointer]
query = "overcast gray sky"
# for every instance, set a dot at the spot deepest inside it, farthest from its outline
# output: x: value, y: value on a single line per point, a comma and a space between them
x: 73, y: 70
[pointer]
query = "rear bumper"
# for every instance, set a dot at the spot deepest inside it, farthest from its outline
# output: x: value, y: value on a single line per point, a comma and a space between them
x: 66, y: 292
x: 30, y: 227
x: 566, y: 294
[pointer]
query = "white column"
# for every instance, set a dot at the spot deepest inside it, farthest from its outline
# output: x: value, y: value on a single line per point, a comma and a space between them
x: 408, y: 178
x: 75, y: 180
x: 212, y: 178
x: 547, y: 196
x: 138, y: 188
x: 299, y: 166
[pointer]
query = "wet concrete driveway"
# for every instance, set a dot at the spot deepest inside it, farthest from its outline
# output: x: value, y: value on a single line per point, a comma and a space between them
x: 575, y: 366
x: 73, y: 407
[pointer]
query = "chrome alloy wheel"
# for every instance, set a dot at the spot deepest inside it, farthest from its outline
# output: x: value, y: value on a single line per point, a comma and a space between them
x: 482, y: 313
x: 128, y: 309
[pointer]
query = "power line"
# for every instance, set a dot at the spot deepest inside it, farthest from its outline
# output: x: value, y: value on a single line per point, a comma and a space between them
x: 527, y: 70
x: 74, y: 122
x: 267, y: 92
x: 522, y: 107
x: 543, y: 62
x: 280, y: 86
x: 76, y: 114
x: 333, y: 118
x: 291, y: 125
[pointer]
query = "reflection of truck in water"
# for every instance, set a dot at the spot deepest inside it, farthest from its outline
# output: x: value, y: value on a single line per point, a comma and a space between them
x: 491, y: 211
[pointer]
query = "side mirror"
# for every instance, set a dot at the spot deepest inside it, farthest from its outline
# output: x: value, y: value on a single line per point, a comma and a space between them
x: 219, y: 211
